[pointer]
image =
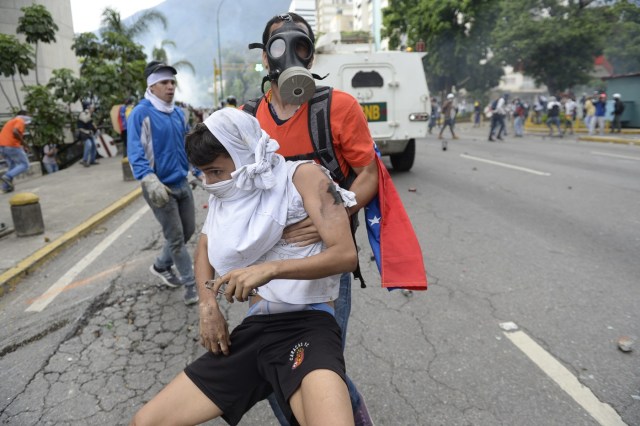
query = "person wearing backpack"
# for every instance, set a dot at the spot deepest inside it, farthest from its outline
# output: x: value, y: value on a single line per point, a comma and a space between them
x: 553, y: 115
x: 347, y: 146
x: 497, y: 117
x: 618, y: 109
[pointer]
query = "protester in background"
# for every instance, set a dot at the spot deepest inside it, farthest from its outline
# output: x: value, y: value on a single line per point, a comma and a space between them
x: 601, y: 110
x: 518, y: 118
x: 497, y: 117
x: 590, y: 115
x: 156, y: 130
x: 123, y: 115
x: 477, y: 111
x: 353, y: 149
x: 435, y: 113
x: 553, y: 115
x: 86, y: 132
x: 570, y: 113
x: 449, y: 112
x: 14, y: 148
x: 618, y: 110
x: 232, y: 102
x: 50, y: 158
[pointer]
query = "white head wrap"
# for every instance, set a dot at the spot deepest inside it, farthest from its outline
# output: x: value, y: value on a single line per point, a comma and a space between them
x: 160, y: 75
x: 250, y: 223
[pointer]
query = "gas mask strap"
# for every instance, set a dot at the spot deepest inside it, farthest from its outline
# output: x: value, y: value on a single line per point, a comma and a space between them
x: 264, y: 80
x: 256, y: 46
x: 317, y: 77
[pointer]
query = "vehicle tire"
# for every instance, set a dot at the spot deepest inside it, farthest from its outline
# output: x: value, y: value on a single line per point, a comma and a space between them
x: 403, y: 162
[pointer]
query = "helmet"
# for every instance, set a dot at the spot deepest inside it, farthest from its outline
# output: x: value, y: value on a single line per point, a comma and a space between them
x: 450, y: 96
x: 616, y: 96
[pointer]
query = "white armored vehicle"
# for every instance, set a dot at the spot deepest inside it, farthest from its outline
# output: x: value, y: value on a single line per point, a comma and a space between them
x: 389, y: 85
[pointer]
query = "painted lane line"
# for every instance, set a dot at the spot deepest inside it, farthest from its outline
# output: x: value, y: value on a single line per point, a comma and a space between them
x: 508, y: 166
x: 59, y: 286
x: 626, y: 157
x: 600, y: 411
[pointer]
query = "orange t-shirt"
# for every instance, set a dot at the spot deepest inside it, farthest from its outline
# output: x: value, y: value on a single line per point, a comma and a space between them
x: 352, y: 140
x: 7, y: 138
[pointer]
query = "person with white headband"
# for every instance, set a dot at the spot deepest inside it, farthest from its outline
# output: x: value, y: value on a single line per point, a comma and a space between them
x: 155, y: 147
x: 289, y: 343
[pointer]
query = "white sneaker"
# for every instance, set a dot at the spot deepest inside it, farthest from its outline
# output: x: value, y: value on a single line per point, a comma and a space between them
x: 167, y: 276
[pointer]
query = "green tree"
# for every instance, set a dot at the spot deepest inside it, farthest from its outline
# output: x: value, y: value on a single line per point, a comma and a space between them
x: 15, y: 58
x: 553, y: 41
x: 48, y: 119
x: 623, y: 41
x: 38, y: 26
x: 457, y: 37
x: 68, y: 89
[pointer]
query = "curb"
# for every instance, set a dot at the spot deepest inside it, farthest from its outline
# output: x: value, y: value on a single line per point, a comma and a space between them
x: 609, y: 139
x: 11, y: 277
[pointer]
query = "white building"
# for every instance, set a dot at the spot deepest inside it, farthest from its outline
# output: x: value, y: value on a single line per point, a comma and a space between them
x: 306, y: 9
x: 334, y: 15
x: 50, y: 56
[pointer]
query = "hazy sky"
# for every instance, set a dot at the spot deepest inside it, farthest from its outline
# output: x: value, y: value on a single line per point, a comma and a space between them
x: 87, y: 13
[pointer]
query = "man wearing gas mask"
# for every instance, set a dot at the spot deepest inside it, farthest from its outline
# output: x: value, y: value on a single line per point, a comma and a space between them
x: 344, y: 145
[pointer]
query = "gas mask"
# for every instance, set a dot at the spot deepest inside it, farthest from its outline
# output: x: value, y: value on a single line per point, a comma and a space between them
x: 289, y: 53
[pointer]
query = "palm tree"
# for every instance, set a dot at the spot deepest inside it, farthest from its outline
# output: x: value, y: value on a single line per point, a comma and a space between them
x: 160, y: 54
x: 111, y: 21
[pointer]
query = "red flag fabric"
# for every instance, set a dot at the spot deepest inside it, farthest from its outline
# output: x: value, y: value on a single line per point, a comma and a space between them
x: 400, y: 259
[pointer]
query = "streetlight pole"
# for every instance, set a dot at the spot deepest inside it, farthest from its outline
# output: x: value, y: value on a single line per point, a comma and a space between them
x: 219, y: 53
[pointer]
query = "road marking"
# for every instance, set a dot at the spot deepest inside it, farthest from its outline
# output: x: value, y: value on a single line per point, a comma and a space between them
x: 508, y: 166
x: 68, y: 278
x: 627, y: 157
x: 600, y: 411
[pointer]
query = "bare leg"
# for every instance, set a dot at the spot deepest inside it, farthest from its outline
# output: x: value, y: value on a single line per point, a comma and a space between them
x: 181, y: 402
x: 322, y: 399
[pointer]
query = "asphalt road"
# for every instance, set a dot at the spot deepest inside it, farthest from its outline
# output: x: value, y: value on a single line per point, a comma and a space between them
x: 540, y: 233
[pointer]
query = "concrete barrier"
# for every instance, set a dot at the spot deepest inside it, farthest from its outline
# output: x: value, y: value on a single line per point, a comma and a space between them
x: 26, y: 214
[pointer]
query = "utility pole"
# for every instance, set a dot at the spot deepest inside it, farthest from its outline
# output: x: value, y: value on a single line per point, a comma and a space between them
x: 219, y: 52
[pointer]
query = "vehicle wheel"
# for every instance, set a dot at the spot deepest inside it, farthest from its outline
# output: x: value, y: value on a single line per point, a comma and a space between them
x: 403, y: 162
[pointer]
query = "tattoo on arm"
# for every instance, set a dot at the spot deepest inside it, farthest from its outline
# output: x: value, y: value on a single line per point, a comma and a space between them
x: 331, y: 189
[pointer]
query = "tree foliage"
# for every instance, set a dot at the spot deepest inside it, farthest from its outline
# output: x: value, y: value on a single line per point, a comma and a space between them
x: 37, y: 25
x: 553, y: 41
x: 15, y: 58
x: 623, y: 40
x: 457, y: 36
x: 48, y: 119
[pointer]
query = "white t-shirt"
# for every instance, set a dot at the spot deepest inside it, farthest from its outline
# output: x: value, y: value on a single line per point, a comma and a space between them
x: 289, y: 291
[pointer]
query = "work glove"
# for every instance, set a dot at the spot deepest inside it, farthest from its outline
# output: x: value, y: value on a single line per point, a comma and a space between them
x: 159, y: 194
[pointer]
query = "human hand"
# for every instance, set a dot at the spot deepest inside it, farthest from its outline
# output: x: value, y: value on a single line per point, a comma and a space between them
x: 214, y: 330
x: 158, y: 192
x: 244, y: 282
x: 302, y: 234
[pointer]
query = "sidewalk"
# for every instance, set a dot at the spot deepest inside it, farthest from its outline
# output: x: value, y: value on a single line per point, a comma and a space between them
x: 73, y: 202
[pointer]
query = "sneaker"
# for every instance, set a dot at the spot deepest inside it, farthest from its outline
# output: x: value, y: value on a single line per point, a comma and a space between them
x: 190, y: 295
x: 8, y: 184
x: 167, y: 276
x: 361, y: 415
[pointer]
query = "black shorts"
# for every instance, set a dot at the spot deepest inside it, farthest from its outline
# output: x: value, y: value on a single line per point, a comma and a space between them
x: 268, y: 353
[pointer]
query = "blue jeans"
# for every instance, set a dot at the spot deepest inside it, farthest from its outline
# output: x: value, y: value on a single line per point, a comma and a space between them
x: 51, y: 167
x: 89, y: 155
x: 178, y: 221
x: 518, y: 124
x: 17, y: 160
x: 342, y: 308
x: 553, y: 121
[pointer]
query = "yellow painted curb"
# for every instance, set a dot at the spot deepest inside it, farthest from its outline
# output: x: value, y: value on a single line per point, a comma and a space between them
x: 609, y: 139
x: 12, y: 276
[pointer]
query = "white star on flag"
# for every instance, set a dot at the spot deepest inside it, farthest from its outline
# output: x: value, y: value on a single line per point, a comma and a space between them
x: 374, y: 221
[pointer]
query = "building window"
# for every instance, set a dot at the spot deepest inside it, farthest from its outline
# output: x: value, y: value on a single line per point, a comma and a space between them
x: 367, y: 79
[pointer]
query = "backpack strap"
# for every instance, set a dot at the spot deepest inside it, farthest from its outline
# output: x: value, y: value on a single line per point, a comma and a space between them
x: 251, y: 106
